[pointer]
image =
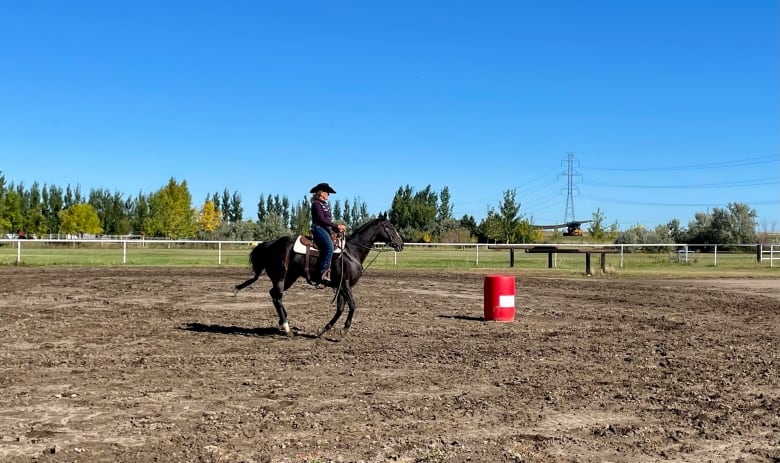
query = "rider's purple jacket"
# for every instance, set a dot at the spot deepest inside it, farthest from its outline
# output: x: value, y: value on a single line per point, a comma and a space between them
x: 320, y: 215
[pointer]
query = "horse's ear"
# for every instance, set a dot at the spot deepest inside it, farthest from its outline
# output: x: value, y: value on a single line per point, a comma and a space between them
x: 383, y: 216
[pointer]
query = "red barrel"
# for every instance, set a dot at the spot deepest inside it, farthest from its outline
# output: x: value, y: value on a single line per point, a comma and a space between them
x: 500, y: 298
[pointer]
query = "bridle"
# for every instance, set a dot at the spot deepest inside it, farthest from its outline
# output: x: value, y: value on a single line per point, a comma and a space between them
x: 371, y: 248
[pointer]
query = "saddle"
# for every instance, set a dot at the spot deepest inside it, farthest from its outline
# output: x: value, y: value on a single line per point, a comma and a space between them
x: 308, y: 247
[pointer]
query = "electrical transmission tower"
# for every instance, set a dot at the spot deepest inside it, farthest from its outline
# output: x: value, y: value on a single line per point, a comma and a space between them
x: 570, y: 187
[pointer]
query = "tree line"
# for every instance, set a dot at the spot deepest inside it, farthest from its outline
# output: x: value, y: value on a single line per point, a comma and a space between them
x: 42, y: 210
x: 424, y: 216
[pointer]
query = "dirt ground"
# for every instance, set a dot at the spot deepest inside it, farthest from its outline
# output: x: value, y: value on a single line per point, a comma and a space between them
x: 163, y: 364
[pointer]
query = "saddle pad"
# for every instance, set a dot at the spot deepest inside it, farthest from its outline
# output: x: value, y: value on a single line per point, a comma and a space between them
x: 300, y: 248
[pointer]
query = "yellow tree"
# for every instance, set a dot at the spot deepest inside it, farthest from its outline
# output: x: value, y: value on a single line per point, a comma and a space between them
x: 210, y: 217
x: 79, y: 219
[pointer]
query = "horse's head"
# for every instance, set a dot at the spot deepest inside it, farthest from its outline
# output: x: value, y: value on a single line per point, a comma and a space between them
x: 389, y: 234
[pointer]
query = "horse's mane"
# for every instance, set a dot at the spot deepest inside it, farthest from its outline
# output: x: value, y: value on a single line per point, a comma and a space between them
x: 366, y: 225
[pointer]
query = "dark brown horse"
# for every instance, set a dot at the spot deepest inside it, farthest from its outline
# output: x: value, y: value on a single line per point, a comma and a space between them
x: 284, y: 267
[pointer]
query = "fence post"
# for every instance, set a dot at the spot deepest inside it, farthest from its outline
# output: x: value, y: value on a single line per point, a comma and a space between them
x: 18, y: 251
x: 124, y: 251
x: 715, y: 262
x: 477, y: 254
x: 219, y: 259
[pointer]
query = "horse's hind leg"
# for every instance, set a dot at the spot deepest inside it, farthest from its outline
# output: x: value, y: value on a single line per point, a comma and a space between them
x: 276, y: 296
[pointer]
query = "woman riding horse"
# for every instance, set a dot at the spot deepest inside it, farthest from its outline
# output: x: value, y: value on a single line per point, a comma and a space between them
x: 322, y: 226
x: 283, y: 265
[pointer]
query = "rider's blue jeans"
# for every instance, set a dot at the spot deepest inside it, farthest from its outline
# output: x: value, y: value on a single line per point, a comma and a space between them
x: 325, y: 245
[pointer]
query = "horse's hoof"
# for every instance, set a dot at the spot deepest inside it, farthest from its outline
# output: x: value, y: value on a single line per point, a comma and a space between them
x: 285, y: 328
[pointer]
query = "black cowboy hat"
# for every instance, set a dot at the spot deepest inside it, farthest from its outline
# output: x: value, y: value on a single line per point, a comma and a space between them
x: 322, y: 187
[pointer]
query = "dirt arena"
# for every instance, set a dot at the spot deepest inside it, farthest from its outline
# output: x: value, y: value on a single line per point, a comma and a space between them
x: 164, y: 365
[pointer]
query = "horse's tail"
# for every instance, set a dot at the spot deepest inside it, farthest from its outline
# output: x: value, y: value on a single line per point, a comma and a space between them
x: 258, y: 265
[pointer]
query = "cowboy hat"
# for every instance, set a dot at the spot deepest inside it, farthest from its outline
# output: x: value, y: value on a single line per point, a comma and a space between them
x: 322, y: 187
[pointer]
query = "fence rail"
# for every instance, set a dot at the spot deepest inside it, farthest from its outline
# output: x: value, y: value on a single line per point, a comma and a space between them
x: 116, y: 251
x: 771, y: 254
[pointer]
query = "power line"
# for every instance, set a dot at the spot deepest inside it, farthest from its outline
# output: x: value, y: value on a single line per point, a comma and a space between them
x: 640, y: 203
x: 740, y: 183
x: 713, y: 165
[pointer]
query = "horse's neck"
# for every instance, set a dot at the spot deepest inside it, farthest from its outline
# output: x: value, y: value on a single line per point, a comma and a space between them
x: 362, y: 244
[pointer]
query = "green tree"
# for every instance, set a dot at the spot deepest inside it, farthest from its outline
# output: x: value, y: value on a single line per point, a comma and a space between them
x: 445, y: 207
x: 469, y: 223
x: 261, y: 210
x: 300, y: 222
x: 337, y: 214
x: 525, y: 232
x: 272, y: 227
x: 742, y: 221
x: 140, y: 216
x: 72, y: 196
x: 597, y: 232
x: 285, y: 211
x: 111, y: 208
x: 53, y: 203
x: 640, y: 234
x: 80, y: 219
x: 236, y: 211
x: 735, y: 224
x: 445, y: 228
x: 225, y: 206
x: 401, y: 208
x: 34, y: 220
x: 347, y: 211
x: 244, y: 230
x: 171, y: 211
x: 491, y: 228
x: 354, y: 213
x: 509, y: 216
x: 363, y: 216
x: 11, y: 217
x: 5, y: 224
x: 676, y: 232
x: 414, y: 213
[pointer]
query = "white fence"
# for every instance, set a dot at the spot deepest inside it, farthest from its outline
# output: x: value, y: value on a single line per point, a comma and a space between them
x: 124, y: 244
x: 472, y: 251
x: 769, y: 253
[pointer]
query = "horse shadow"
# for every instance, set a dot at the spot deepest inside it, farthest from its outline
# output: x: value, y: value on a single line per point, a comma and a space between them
x: 265, y: 332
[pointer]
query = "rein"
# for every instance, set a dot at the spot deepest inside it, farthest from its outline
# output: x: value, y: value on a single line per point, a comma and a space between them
x: 345, y: 254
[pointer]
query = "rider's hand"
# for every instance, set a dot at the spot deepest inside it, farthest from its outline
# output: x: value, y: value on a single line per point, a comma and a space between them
x: 342, y: 228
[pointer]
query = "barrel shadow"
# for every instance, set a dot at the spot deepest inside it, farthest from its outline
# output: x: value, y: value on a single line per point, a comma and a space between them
x: 463, y: 317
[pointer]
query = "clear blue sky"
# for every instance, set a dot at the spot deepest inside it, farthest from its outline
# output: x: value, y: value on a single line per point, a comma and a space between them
x: 670, y: 107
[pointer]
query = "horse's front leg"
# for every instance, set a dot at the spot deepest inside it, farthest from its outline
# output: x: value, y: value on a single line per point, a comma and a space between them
x: 339, y: 310
x: 351, y: 303
x: 276, y: 297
